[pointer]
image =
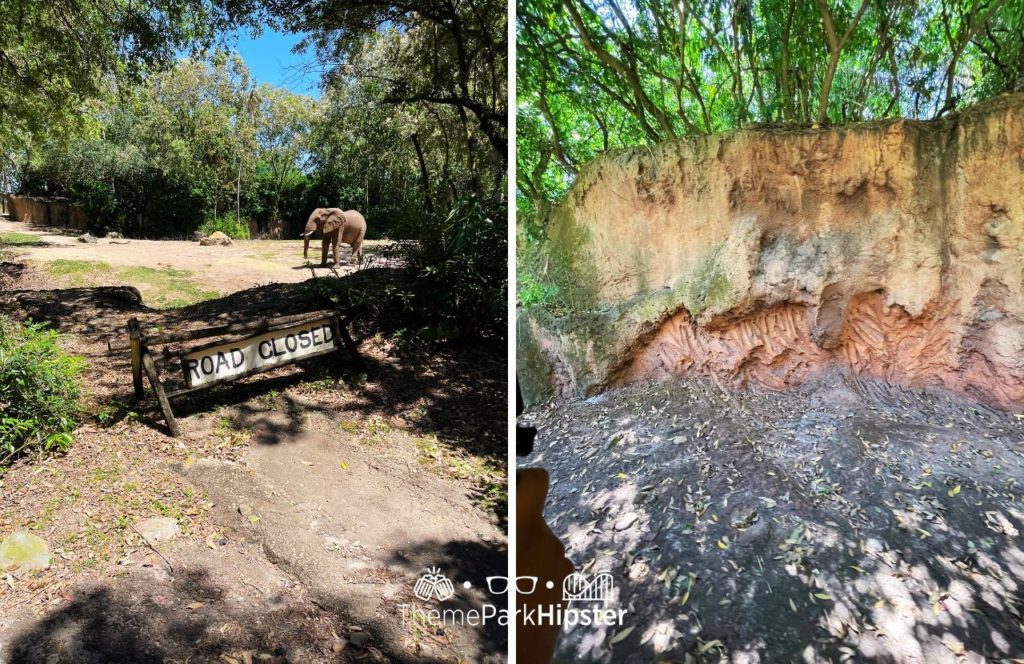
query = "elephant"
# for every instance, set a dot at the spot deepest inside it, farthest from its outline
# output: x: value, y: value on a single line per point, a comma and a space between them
x: 346, y: 226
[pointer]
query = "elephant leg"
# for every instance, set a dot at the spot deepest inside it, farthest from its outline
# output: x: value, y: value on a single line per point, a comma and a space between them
x: 357, y: 252
x: 337, y: 255
x: 326, y: 242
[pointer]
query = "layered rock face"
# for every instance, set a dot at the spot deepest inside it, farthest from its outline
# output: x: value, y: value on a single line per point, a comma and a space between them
x: 894, y: 249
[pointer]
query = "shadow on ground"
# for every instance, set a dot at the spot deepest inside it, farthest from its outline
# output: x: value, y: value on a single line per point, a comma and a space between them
x: 188, y: 622
x: 452, y: 392
x: 461, y: 561
x: 850, y: 521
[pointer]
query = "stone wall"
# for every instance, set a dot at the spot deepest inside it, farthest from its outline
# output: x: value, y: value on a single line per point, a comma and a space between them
x: 890, y: 248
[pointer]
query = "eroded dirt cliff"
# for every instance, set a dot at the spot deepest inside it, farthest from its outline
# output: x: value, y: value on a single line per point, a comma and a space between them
x: 892, y: 249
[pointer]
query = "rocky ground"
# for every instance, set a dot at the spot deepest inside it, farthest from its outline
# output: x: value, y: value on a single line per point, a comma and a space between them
x: 848, y: 520
x: 305, y: 507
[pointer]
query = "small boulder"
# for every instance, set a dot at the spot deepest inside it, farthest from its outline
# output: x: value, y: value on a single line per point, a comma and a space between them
x: 359, y: 639
x: 197, y: 236
x: 114, y: 235
x: 24, y: 552
x: 157, y: 529
x: 626, y: 521
x: 216, y: 238
x: 88, y: 238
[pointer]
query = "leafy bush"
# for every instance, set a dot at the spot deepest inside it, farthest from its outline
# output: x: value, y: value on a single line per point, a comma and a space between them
x: 234, y: 228
x: 452, y: 285
x: 458, y: 272
x: 39, y: 390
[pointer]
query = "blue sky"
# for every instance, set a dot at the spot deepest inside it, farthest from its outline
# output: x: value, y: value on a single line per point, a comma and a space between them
x: 270, y: 60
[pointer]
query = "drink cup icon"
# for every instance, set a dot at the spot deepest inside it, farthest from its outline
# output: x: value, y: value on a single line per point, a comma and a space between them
x: 434, y: 584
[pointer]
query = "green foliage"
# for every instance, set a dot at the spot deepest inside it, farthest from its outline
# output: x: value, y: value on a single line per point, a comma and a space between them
x: 39, y: 390
x: 596, y: 75
x: 458, y: 273
x: 20, y: 240
x: 453, y: 287
x: 234, y: 228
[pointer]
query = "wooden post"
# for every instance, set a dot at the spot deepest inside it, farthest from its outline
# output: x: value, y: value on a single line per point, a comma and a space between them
x: 341, y: 325
x: 161, y: 396
x: 135, y: 334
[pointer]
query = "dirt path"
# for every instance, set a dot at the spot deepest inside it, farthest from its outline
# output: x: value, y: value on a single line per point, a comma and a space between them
x: 244, y: 264
x: 850, y: 521
x: 307, y: 508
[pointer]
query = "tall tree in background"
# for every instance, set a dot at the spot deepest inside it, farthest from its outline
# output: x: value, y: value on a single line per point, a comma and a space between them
x: 57, y: 55
x: 599, y: 74
x: 446, y: 58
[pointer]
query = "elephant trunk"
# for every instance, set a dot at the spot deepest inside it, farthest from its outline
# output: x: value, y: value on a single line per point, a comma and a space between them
x: 307, y: 232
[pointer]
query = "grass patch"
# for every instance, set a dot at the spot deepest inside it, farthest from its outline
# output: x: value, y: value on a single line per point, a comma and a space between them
x: 163, y: 288
x: 20, y: 240
x: 230, y: 432
x: 487, y: 478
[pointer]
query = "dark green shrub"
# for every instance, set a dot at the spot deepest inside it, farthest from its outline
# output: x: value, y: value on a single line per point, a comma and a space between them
x: 452, y: 284
x: 39, y: 390
x: 228, y: 224
x: 458, y: 272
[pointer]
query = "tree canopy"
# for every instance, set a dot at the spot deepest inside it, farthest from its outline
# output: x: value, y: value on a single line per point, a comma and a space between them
x: 154, y: 142
x: 140, y: 111
x: 599, y: 74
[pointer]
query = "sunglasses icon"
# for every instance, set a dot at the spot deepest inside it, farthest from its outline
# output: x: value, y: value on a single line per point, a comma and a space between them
x: 498, y: 585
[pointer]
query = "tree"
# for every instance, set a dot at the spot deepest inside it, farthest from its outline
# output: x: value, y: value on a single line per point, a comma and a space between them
x: 599, y: 74
x: 448, y: 57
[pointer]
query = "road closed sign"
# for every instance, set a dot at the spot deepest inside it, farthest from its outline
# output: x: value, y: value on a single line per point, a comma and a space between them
x: 213, y: 364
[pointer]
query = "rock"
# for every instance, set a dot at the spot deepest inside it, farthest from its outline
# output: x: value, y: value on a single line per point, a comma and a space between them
x: 88, y: 238
x: 359, y: 639
x: 157, y: 529
x: 743, y: 518
x: 338, y: 645
x: 626, y: 520
x: 24, y: 552
x: 114, y: 235
x: 245, y: 510
x: 216, y: 238
x: 767, y: 256
x: 197, y: 236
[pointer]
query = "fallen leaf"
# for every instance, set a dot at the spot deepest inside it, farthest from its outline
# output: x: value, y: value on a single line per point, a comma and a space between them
x: 622, y: 635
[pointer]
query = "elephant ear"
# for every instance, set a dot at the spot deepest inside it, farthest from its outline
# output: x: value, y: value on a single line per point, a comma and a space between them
x: 333, y: 220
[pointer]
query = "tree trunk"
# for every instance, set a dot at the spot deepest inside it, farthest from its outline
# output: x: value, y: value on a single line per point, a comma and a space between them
x: 423, y: 172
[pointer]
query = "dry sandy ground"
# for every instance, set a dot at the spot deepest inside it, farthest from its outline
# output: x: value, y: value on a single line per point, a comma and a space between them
x: 308, y: 506
x: 848, y: 521
x: 244, y: 264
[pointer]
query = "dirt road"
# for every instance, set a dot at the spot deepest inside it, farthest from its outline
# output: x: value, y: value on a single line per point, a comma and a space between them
x: 244, y: 264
